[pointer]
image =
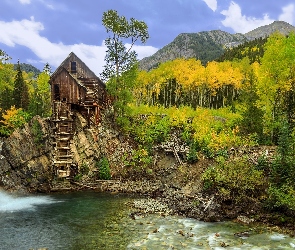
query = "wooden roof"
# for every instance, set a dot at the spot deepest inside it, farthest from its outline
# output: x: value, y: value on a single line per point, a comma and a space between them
x: 61, y: 69
x: 82, y: 71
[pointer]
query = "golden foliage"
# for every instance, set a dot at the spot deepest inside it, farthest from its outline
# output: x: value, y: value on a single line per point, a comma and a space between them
x: 189, y: 81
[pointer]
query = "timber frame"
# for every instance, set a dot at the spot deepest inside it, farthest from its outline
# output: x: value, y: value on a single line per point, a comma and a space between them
x: 74, y: 88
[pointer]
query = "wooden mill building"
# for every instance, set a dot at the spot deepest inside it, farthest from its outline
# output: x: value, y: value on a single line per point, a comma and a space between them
x: 74, y: 88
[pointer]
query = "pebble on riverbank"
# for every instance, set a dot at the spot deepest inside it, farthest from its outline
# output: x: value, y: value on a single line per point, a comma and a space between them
x: 150, y: 206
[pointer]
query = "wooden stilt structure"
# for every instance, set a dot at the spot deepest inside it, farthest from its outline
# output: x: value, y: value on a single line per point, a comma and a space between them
x: 74, y: 88
x: 62, y: 125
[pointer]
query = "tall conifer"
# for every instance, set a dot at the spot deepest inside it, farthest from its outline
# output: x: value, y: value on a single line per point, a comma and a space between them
x: 20, y: 91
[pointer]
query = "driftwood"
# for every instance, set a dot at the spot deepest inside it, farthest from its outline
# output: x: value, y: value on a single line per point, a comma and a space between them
x: 209, y: 203
x: 175, y: 146
x: 177, y: 156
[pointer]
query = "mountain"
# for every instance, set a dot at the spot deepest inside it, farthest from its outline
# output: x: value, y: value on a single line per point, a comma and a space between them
x: 209, y: 45
x: 28, y: 68
x: 206, y: 46
x: 266, y: 30
x: 253, y: 49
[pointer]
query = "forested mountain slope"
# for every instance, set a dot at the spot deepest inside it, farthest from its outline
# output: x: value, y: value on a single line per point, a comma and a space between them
x: 28, y: 68
x: 209, y: 45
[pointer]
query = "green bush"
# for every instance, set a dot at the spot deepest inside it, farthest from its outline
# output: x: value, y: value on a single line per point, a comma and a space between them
x: 37, y: 132
x: 281, y: 198
x: 262, y: 163
x: 234, y: 180
x: 192, y: 155
x: 138, y: 159
x: 84, y: 169
x: 104, y: 169
x: 281, y: 194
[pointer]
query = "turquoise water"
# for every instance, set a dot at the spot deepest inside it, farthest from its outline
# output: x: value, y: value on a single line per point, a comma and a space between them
x: 92, y: 220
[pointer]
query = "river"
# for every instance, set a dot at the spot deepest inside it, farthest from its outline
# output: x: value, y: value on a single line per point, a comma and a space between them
x: 89, y: 220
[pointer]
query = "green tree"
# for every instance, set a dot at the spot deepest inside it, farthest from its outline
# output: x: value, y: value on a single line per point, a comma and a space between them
x: 4, y: 57
x: 40, y: 94
x: 252, y: 116
x: 275, y: 86
x: 7, y: 75
x: 47, y: 69
x: 20, y: 91
x: 121, y: 59
x: 123, y: 94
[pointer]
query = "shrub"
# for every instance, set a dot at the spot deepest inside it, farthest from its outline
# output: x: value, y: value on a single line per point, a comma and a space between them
x: 104, y: 169
x: 282, y: 172
x: 262, y: 163
x: 12, y: 119
x: 138, y: 159
x: 212, y: 130
x: 234, y: 180
x: 281, y: 198
x: 192, y: 156
x: 37, y: 132
x: 84, y: 169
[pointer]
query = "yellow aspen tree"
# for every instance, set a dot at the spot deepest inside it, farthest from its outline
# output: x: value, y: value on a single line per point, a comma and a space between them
x: 273, y: 80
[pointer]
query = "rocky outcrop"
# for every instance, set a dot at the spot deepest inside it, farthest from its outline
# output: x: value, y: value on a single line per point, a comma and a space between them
x: 264, y: 31
x: 89, y: 145
x: 25, y: 158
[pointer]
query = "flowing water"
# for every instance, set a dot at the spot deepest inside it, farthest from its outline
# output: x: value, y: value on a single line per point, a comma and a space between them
x: 92, y: 220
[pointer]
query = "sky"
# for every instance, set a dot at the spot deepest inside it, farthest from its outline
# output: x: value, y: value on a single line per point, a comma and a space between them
x: 46, y: 31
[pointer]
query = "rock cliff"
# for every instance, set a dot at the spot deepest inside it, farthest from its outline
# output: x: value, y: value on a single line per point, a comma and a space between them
x: 25, y: 160
x: 26, y: 156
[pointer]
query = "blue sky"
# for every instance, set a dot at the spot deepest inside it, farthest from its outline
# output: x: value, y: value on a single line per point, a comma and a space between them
x: 40, y: 31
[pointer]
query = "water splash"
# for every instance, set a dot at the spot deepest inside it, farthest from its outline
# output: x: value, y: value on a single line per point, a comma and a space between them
x: 10, y: 203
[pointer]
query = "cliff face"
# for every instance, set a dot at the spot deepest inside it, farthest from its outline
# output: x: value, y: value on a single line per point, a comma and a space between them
x: 89, y: 145
x: 26, y: 156
x: 266, y: 30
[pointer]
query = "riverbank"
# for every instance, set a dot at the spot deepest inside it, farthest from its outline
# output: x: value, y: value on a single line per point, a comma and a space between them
x: 165, y: 200
x: 95, y: 220
x: 26, y: 166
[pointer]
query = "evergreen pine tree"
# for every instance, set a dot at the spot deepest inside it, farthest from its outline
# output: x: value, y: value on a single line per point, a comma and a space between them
x: 47, y: 69
x: 20, y: 91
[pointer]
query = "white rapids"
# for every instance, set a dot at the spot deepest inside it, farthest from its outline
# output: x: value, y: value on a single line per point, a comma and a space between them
x: 10, y: 203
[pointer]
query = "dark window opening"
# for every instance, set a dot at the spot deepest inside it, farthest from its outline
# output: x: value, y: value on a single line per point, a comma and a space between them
x: 64, y: 99
x: 73, y: 67
x: 56, y: 92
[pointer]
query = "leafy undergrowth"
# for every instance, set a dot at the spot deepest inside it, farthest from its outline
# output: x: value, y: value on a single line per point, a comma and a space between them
x: 211, y: 129
x: 235, y: 180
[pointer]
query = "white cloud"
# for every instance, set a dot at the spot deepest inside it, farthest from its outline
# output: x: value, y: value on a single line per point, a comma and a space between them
x: 49, y: 6
x: 288, y: 14
x: 25, y: 1
x: 26, y: 33
x: 143, y: 51
x: 212, y: 4
x: 241, y: 23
